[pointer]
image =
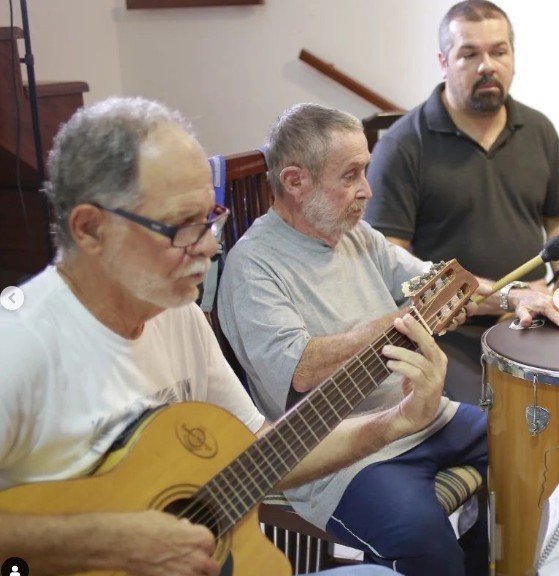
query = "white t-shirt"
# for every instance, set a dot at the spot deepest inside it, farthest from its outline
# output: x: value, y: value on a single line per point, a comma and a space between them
x: 69, y: 385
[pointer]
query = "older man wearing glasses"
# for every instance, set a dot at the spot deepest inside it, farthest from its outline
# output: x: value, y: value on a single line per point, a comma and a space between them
x: 111, y: 332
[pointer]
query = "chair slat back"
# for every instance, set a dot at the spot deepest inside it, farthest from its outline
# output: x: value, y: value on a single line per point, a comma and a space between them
x: 247, y: 193
x: 375, y: 124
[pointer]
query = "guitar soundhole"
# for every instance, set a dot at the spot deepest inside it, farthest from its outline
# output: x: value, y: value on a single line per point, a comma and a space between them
x: 195, y: 511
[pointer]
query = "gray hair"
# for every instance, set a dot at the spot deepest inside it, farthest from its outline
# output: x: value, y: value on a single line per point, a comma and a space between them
x: 471, y: 11
x: 301, y: 136
x: 95, y: 157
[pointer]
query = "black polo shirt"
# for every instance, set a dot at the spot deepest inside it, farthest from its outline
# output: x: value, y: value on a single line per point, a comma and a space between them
x: 436, y: 187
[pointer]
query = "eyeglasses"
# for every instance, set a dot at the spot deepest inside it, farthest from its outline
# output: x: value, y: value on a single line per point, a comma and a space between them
x: 180, y: 236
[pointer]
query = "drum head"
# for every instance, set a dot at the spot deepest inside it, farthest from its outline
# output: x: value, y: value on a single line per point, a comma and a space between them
x: 536, y: 347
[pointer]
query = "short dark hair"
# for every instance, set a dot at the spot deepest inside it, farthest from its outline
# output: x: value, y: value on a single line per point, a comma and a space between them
x: 471, y: 11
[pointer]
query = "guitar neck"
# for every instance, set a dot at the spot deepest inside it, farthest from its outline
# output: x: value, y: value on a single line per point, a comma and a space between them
x: 246, y: 481
x: 436, y: 298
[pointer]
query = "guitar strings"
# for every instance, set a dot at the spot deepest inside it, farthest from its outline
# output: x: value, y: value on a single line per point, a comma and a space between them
x: 306, y: 435
x: 307, y: 431
x: 357, y: 372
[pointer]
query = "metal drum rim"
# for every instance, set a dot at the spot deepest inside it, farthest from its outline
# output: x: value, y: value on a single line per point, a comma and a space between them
x: 517, y: 369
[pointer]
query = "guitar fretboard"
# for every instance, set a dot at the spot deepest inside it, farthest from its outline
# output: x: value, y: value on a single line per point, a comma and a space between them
x: 437, y: 296
x: 245, y: 482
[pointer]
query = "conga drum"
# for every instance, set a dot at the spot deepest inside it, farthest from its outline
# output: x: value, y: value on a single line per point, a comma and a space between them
x: 521, y: 393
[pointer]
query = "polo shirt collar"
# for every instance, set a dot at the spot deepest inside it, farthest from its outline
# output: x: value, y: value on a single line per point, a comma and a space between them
x: 439, y: 120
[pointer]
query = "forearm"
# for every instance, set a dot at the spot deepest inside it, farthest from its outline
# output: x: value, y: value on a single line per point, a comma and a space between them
x: 350, y: 441
x: 59, y: 544
x: 325, y: 354
x: 145, y: 543
x: 423, y: 379
x: 492, y: 300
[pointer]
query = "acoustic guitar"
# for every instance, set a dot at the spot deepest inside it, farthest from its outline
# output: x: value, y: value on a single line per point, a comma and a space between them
x: 174, y: 460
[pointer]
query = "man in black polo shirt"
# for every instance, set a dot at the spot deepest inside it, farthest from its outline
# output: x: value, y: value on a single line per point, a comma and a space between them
x: 470, y: 174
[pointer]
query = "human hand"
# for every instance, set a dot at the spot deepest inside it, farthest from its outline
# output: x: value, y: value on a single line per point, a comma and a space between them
x: 530, y: 303
x: 154, y: 543
x: 488, y: 298
x: 424, y: 372
x: 470, y: 309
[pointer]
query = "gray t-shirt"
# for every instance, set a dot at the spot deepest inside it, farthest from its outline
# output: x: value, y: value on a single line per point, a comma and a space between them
x: 279, y: 289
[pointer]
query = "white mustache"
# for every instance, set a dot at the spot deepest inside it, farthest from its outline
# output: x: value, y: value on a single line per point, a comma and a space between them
x: 197, y: 267
x: 200, y: 266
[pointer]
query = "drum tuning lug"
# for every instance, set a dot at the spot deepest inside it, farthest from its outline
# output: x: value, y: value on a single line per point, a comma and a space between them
x: 486, y: 400
x: 486, y: 404
x: 537, y: 419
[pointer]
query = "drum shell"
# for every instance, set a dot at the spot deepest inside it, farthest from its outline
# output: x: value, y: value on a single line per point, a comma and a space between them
x: 523, y: 465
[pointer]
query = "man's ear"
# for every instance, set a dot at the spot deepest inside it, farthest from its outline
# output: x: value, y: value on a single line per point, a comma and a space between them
x: 294, y: 180
x: 443, y: 64
x: 88, y: 225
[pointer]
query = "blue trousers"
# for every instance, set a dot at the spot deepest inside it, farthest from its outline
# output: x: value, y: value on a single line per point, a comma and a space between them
x: 390, y: 511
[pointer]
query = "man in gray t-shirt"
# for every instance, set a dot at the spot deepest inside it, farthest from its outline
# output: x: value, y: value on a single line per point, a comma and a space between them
x: 303, y: 292
x: 308, y: 286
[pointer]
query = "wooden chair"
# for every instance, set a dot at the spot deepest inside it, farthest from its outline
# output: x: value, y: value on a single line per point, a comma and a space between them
x: 375, y: 124
x: 248, y: 195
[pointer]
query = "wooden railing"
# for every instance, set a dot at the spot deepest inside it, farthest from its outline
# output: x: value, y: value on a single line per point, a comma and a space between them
x: 353, y: 85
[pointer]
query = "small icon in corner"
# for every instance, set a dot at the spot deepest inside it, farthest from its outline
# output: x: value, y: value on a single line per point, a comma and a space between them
x: 15, y: 567
x: 12, y: 298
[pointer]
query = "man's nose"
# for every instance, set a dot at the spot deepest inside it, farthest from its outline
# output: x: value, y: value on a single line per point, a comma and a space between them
x: 206, y: 246
x: 486, y: 65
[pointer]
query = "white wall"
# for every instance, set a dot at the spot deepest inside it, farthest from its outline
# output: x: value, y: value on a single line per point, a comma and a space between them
x: 232, y: 70
x: 72, y: 40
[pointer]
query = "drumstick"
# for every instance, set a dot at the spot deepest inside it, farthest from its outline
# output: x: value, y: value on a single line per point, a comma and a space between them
x: 550, y: 252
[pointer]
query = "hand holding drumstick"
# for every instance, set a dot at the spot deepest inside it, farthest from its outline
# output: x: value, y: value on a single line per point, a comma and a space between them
x: 527, y: 301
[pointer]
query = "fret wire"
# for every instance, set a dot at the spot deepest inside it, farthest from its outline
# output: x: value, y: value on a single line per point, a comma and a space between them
x: 257, y: 449
x: 288, y: 423
x: 262, y: 445
x: 265, y: 466
x: 307, y: 428
x: 346, y: 371
x: 288, y: 456
x: 294, y: 454
x: 270, y: 446
x: 247, y: 474
x: 216, y: 503
x: 308, y: 407
x: 332, y: 407
x: 227, y: 491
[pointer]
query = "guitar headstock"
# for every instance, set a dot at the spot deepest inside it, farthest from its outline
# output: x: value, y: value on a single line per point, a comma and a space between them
x: 440, y: 293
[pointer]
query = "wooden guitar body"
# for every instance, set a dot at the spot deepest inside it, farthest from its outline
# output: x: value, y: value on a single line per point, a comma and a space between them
x: 175, y: 451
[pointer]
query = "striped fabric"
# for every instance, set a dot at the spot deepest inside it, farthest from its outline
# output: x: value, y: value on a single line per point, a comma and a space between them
x: 453, y: 487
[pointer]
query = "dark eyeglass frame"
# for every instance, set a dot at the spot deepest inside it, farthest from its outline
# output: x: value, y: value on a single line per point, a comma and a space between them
x: 215, y: 224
